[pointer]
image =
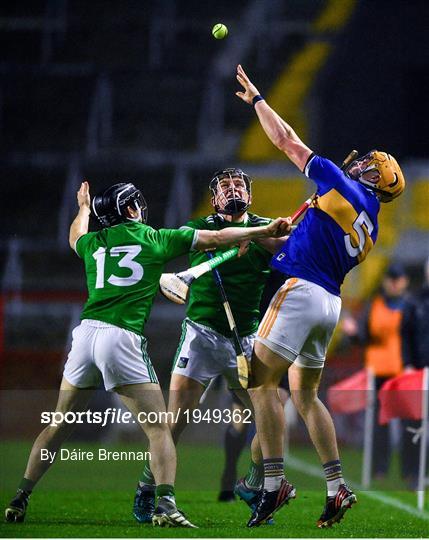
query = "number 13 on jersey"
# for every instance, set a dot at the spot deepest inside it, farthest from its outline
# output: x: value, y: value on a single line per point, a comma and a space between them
x: 127, y: 261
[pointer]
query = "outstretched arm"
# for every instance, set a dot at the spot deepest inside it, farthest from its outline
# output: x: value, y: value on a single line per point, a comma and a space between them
x: 272, y: 245
x: 278, y: 131
x: 235, y: 235
x: 79, y: 227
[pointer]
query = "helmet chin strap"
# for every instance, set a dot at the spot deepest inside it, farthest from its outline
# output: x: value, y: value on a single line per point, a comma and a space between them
x: 369, y: 185
x: 235, y: 206
x: 366, y: 183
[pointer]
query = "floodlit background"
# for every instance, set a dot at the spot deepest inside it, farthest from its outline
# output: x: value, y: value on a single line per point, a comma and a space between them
x: 141, y: 91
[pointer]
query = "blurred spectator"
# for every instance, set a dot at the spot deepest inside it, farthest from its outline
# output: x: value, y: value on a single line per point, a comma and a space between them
x: 379, y: 332
x: 415, y: 354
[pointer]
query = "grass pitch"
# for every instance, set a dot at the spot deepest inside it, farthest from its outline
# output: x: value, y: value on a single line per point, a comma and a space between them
x: 94, y: 499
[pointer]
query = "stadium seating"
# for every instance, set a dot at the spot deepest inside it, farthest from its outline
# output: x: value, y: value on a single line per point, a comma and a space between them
x: 45, y: 112
x: 33, y: 217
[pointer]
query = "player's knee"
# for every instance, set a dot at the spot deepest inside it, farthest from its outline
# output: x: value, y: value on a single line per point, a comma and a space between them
x: 304, y: 400
x: 157, y: 430
x: 264, y: 381
x: 263, y: 395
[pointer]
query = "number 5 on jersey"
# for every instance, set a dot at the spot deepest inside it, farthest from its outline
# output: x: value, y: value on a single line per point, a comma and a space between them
x: 127, y: 261
x: 358, y: 225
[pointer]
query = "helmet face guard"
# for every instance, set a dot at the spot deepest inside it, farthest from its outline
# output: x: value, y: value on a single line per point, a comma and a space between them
x: 231, y: 191
x: 110, y: 206
x: 379, y: 172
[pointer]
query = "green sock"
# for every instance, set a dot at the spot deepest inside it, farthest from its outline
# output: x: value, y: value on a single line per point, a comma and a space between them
x: 26, y: 485
x: 165, y: 490
x: 147, y: 476
x: 255, y: 476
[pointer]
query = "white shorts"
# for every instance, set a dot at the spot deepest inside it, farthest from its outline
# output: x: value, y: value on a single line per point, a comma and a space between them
x: 105, y: 352
x: 203, y: 354
x: 299, y: 322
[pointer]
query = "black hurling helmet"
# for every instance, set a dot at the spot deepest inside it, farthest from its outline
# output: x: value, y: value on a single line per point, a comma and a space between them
x: 230, y: 201
x: 110, y: 206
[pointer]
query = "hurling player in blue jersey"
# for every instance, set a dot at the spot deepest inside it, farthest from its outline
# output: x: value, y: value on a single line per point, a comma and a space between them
x: 335, y: 235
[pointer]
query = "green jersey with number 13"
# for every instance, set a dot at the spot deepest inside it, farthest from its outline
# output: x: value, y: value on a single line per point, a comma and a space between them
x: 123, y: 266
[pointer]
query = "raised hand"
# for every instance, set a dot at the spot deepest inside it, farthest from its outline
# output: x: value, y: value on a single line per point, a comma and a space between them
x: 250, y: 90
x: 83, y: 197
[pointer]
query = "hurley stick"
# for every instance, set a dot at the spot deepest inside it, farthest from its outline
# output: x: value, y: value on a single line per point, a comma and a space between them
x: 176, y: 286
x: 243, y: 363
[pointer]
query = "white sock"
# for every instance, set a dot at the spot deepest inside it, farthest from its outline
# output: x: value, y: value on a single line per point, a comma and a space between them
x: 273, y: 473
x: 272, y: 483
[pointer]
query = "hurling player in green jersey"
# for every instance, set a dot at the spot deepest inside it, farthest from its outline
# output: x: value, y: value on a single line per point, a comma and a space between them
x: 206, y: 347
x: 123, y: 263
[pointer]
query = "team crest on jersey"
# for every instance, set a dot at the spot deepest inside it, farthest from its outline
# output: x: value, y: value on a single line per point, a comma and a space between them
x: 183, y: 362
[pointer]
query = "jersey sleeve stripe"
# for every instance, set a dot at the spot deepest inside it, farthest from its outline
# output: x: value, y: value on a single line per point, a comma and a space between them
x: 254, y: 219
x: 75, y: 245
x: 195, y: 239
x: 260, y: 221
x: 307, y: 165
x: 259, y: 218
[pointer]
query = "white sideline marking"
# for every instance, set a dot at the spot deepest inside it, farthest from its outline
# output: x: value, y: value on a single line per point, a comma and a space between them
x: 311, y: 470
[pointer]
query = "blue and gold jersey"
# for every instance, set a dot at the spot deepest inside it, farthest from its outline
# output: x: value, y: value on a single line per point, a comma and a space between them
x: 336, y: 233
